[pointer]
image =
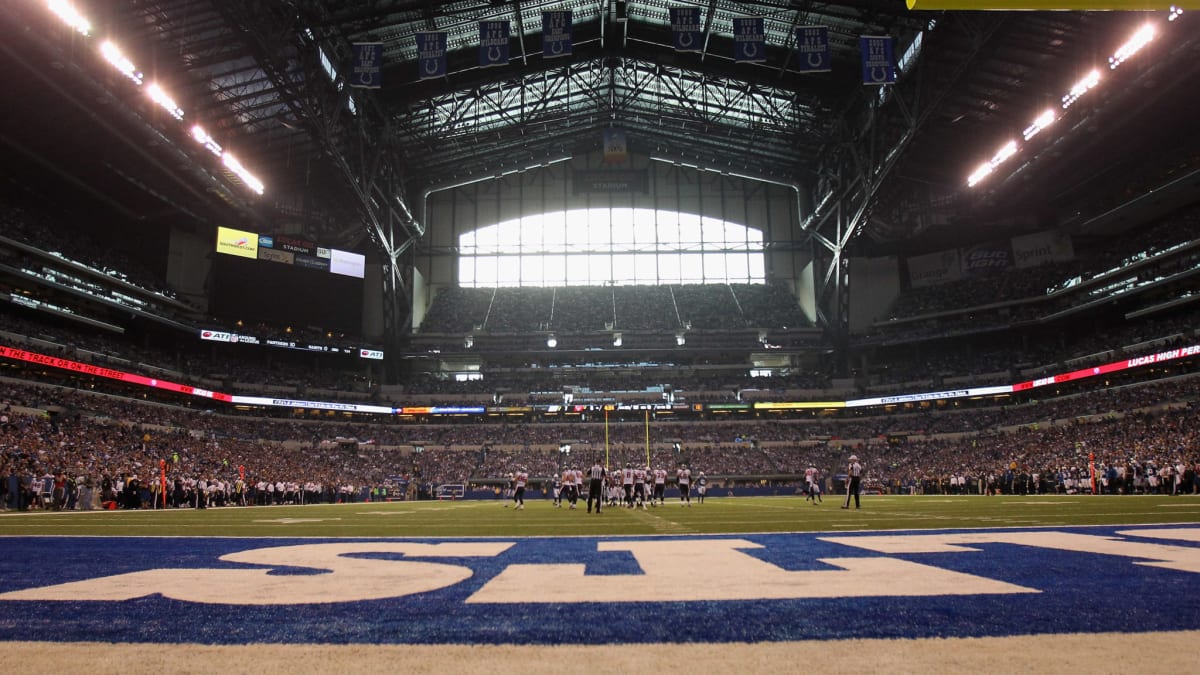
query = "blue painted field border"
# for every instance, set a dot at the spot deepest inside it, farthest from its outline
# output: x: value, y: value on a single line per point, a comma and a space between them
x: 1078, y: 593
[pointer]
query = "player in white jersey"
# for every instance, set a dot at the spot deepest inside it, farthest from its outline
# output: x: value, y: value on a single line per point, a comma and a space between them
x: 519, y: 481
x: 571, y: 486
x: 614, y: 487
x: 660, y: 485
x: 639, y: 487
x: 701, y: 487
x: 812, y: 488
x: 578, y: 491
x: 627, y: 484
x: 684, y: 477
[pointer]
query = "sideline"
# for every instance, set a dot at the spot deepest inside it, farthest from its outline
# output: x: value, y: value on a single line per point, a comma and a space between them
x: 1158, y: 652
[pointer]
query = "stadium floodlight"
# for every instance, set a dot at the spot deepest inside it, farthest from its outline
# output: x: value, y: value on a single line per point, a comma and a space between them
x: 240, y: 171
x: 113, y: 55
x: 979, y: 174
x: 1044, y: 120
x: 551, y: 342
x: 204, y: 139
x: 1174, y: 13
x: 1007, y: 150
x: 71, y: 16
x: 1081, y: 87
x: 1132, y: 46
x: 164, y: 101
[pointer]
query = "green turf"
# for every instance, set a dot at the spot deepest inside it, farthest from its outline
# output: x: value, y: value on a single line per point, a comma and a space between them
x: 715, y: 516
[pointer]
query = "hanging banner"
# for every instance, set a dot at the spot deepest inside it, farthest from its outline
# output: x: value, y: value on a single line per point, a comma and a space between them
x: 1032, y: 250
x: 749, y: 41
x: 556, y: 33
x: 493, y: 43
x: 812, y: 49
x: 985, y: 258
x: 934, y: 268
x: 878, y: 64
x: 610, y: 181
x: 431, y: 55
x: 615, y: 150
x: 686, y: 32
x: 367, y: 71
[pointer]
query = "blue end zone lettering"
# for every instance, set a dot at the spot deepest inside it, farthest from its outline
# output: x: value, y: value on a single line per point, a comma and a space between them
x: 587, y: 590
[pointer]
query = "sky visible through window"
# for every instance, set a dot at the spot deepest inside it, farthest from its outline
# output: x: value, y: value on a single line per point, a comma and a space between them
x: 594, y: 247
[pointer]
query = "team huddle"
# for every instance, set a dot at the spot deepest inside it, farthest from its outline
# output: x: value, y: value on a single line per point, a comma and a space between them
x: 640, y: 487
x: 634, y: 487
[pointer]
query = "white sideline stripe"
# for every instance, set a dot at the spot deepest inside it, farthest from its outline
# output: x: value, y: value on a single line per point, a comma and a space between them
x: 1025, y: 653
x: 1165, y: 533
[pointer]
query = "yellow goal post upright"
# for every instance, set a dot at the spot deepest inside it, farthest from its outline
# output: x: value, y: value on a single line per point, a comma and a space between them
x: 607, y: 463
x: 647, y: 439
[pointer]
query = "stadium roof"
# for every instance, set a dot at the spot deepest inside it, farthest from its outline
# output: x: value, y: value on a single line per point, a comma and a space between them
x: 268, y: 81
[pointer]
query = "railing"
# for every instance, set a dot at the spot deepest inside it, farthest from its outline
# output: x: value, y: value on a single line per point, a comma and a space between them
x: 450, y: 491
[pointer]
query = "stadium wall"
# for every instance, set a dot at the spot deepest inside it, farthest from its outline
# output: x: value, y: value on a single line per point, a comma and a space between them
x: 639, y: 183
x: 189, y: 260
x: 874, y: 287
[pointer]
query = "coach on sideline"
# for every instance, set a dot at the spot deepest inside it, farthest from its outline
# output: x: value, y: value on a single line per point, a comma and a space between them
x: 853, y: 478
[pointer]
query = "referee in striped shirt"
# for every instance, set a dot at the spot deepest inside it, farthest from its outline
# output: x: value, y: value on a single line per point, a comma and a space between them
x: 853, y: 477
x: 596, y: 486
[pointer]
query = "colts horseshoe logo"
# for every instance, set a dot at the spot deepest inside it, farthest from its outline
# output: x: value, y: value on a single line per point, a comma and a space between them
x: 878, y: 74
x: 493, y: 54
x: 750, y: 50
x: 685, y: 39
x: 815, y: 59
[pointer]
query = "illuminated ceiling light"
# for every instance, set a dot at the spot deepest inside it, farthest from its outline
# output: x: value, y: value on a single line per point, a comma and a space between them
x: 165, y: 102
x: 469, y: 342
x: 1174, y: 14
x: 618, y: 340
x: 71, y: 16
x: 1140, y: 39
x: 113, y: 55
x: 204, y: 139
x: 1081, y: 87
x: 1044, y: 120
x: 680, y: 340
x: 979, y: 174
x: 1007, y: 150
x: 551, y: 342
x: 240, y: 171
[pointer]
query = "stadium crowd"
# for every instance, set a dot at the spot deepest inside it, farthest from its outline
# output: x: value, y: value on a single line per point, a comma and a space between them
x: 119, y: 449
x: 1014, y: 284
x: 597, y: 308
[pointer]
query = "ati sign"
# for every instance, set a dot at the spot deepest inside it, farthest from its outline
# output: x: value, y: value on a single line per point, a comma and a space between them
x: 756, y: 587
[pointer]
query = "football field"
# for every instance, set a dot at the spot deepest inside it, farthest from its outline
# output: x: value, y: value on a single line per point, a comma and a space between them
x: 717, y: 515
x: 907, y: 584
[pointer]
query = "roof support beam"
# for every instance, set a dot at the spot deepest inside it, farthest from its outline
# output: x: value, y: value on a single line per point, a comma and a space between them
x: 865, y: 155
x: 360, y: 146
